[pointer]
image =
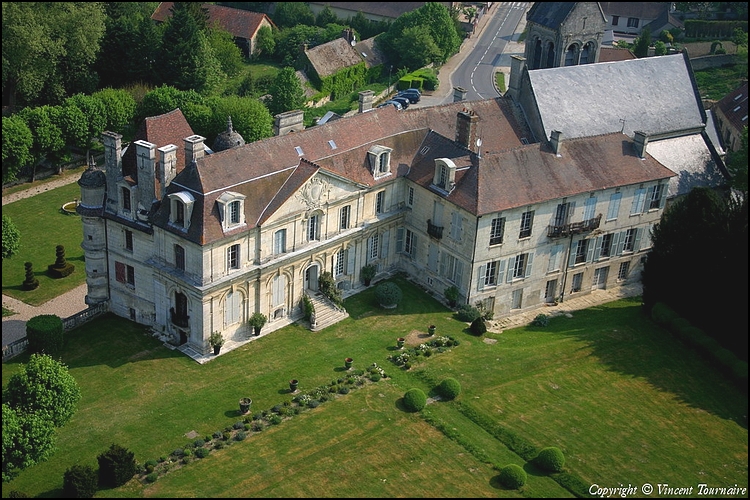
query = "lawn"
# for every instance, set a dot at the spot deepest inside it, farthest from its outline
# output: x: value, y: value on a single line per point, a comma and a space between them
x: 623, y: 400
x: 43, y: 226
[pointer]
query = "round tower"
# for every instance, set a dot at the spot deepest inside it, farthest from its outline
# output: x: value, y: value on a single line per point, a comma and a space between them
x: 228, y: 139
x: 93, y: 183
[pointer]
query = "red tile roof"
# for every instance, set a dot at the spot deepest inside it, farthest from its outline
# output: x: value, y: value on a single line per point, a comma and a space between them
x: 734, y: 107
x: 240, y: 23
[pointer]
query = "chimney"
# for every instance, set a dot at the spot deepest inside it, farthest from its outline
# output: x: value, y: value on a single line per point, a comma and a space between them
x: 167, y: 167
x: 466, y: 128
x: 194, y: 149
x: 459, y: 94
x: 365, y: 100
x: 112, y: 161
x: 347, y: 34
x: 555, y: 140
x: 517, y: 65
x: 290, y: 121
x: 640, y: 143
x: 145, y: 158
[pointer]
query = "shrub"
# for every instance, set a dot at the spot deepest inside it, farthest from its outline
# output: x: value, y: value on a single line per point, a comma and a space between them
x: 198, y: 443
x: 61, y: 268
x: 478, y: 326
x: 388, y: 294
x: 151, y: 478
x: 512, y: 476
x: 80, y: 481
x: 550, y: 459
x: 540, y: 320
x: 240, y: 436
x: 344, y: 390
x: 415, y: 399
x: 327, y: 286
x: 449, y: 388
x: 45, y: 333
x: 30, y: 282
x: 202, y: 452
x: 451, y: 295
x: 367, y: 273
x: 468, y: 313
x: 226, y: 436
x: 116, y: 466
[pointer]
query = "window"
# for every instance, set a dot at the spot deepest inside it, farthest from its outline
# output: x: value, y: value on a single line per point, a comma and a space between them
x: 179, y: 257
x: 232, y: 308
x: 632, y: 22
x: 490, y: 275
x: 128, y: 240
x: 383, y: 162
x: 312, y: 228
x: 554, y: 258
x: 340, y: 264
x: 615, y: 20
x: 233, y: 257
x: 125, y: 199
x: 442, y: 176
x: 180, y: 209
x: 456, y: 226
x: 605, y: 250
x: 410, y: 197
x: 277, y: 290
x: 629, y: 244
x: 497, y: 231
x: 451, y: 268
x: 234, y: 212
x: 406, y: 241
x: 581, y: 248
x: 563, y: 213
x: 639, y: 199
x: 279, y: 242
x: 516, y: 299
x: 589, y: 210
x: 344, y: 217
x: 124, y: 273
x: 380, y: 161
x: 655, y: 196
x: 527, y: 220
x: 614, y: 205
x: 577, y: 283
x: 519, y: 266
x: 373, y: 247
x: 622, y: 273
x: 231, y: 209
x: 380, y: 202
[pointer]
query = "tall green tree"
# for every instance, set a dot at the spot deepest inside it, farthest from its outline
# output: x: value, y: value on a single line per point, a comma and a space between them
x: 642, y: 43
x: 165, y: 99
x: 227, y: 52
x: 289, y: 14
x: 119, y: 107
x: 17, y: 144
x: 286, y: 92
x: 44, y: 387
x: 27, y: 440
x: 11, y: 237
x: 326, y: 16
x: 48, y: 138
x: 95, y: 114
x: 74, y: 127
x: 250, y: 117
x: 265, y: 44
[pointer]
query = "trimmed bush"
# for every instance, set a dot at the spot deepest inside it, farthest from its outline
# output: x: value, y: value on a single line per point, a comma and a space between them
x: 116, y: 466
x: 45, y: 334
x: 415, y: 399
x: 80, y: 481
x: 512, y: 476
x: 30, y: 282
x: 478, y: 326
x: 467, y: 313
x: 388, y: 294
x: 202, y: 452
x: 449, y: 388
x: 540, y: 320
x: 61, y: 268
x: 550, y: 459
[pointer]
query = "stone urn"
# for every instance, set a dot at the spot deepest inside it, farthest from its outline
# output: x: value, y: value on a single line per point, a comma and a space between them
x: 400, y: 342
x: 245, y: 405
x: 348, y: 363
x: 293, y: 385
x: 431, y: 330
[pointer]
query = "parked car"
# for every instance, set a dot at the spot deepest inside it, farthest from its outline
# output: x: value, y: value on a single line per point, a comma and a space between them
x: 389, y: 102
x: 412, y: 94
x: 404, y: 101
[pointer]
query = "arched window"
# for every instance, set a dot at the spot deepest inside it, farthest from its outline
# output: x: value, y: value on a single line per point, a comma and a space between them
x: 587, y: 54
x: 537, y: 55
x: 232, y: 308
x: 550, y: 56
x: 570, y: 55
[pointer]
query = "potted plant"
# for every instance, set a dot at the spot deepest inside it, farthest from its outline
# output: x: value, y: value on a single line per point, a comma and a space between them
x: 451, y: 294
x: 257, y: 320
x: 293, y: 385
x: 348, y: 363
x: 400, y: 342
x: 216, y: 340
x: 431, y: 330
x: 245, y: 405
x: 367, y: 273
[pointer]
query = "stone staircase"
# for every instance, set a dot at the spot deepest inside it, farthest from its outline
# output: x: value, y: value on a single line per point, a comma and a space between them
x: 326, y: 313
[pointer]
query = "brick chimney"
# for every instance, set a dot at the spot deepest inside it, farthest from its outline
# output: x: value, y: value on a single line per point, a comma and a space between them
x: 517, y: 65
x: 167, y: 167
x: 145, y: 157
x: 466, y: 128
x: 459, y: 94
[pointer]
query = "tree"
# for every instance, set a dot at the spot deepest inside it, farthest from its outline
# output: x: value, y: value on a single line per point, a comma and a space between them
x: 116, y: 466
x: 419, y: 49
x: 48, y: 138
x: 165, y: 99
x: 80, y: 481
x: 264, y: 42
x: 250, y: 118
x: 27, y: 440
x: 11, y: 237
x: 288, y: 42
x: 290, y: 14
x: 737, y: 165
x: 326, y: 16
x: 286, y: 92
x: 95, y: 113
x: 17, y: 144
x: 227, y: 52
x: 642, y: 43
x: 119, y: 108
x: 74, y: 127
x: 660, y: 48
x: 44, y: 387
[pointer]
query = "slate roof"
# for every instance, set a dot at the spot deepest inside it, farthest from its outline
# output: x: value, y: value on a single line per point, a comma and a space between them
x: 549, y: 14
x: 734, y: 107
x: 330, y: 57
x: 240, y: 23
x: 655, y: 95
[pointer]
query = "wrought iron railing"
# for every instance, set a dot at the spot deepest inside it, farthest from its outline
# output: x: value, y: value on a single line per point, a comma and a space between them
x: 574, y: 228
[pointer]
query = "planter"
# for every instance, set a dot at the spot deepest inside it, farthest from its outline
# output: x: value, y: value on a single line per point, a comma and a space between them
x: 293, y: 385
x: 245, y: 405
x: 431, y: 330
x: 257, y: 331
x: 217, y: 350
x: 348, y: 363
x: 400, y: 342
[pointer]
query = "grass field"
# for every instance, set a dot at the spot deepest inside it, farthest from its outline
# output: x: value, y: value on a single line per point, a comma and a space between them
x: 624, y: 401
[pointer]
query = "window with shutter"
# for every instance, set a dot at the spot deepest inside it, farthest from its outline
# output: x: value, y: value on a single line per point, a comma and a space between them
x: 614, y: 206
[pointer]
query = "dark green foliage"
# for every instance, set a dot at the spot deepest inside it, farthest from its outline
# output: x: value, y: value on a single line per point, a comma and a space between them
x: 367, y: 273
x: 45, y: 334
x: 116, y: 466
x: 307, y: 307
x: 286, y: 92
x: 449, y: 388
x: 550, y: 459
x: 18, y: 142
x: 61, y: 268
x: 388, y: 293
x: 17, y: 494
x: 202, y: 452
x: 512, y: 476
x: 11, y: 237
x: 28, y: 439
x: 152, y: 477
x: 540, y: 320
x: 478, y: 326
x: 30, y: 282
x: 289, y: 14
x: 80, y: 481
x: 642, y: 43
x: 415, y: 400
x: 468, y: 313
x: 327, y: 286
x: 451, y: 295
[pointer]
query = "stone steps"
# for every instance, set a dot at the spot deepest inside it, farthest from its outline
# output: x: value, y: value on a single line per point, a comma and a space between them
x: 326, y: 314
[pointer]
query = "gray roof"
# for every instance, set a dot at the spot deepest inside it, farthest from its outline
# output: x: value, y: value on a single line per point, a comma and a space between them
x: 690, y: 157
x: 549, y: 14
x: 655, y: 95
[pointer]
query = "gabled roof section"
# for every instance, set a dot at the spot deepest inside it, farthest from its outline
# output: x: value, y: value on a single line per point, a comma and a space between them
x: 330, y: 57
x: 655, y: 95
x: 391, y: 10
x: 240, y: 23
x: 734, y: 107
x: 612, y: 54
x: 370, y: 53
x: 640, y: 10
x: 550, y: 14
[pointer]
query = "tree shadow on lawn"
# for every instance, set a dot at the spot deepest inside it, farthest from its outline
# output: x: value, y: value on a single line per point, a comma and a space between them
x: 626, y: 340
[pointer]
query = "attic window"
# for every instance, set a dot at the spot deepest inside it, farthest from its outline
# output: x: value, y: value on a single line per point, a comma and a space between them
x: 180, y: 209
x: 380, y: 161
x: 332, y: 144
x: 736, y: 109
x: 231, y: 209
x: 299, y: 151
x: 445, y: 174
x: 424, y: 150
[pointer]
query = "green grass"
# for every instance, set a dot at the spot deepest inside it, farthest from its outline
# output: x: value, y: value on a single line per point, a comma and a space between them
x: 500, y: 81
x: 716, y: 83
x: 623, y: 400
x: 43, y: 226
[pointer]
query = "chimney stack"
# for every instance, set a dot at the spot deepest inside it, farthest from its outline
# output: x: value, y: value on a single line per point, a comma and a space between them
x: 555, y: 140
x: 290, y: 121
x: 365, y: 100
x: 194, y: 149
x: 145, y: 157
x: 517, y: 65
x: 167, y: 167
x: 640, y: 143
x: 466, y: 128
x: 459, y: 94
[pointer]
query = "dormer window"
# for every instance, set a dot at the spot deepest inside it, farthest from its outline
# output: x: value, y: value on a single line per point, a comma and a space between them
x: 231, y: 210
x: 445, y: 174
x: 380, y: 161
x: 180, y: 209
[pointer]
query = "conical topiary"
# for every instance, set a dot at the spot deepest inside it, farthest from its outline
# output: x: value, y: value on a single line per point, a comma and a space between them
x: 30, y: 283
x: 61, y: 268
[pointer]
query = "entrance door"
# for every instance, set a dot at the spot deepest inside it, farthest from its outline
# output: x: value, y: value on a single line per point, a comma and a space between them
x: 311, y: 278
x: 600, y: 278
x: 550, y: 292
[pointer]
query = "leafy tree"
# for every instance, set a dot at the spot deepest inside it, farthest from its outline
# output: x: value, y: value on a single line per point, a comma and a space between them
x: 74, y: 127
x: 288, y: 42
x: 119, y: 108
x: 737, y: 165
x: 740, y: 37
x: 48, y: 138
x: 44, y: 387
x: 419, y: 49
x: 80, y: 481
x: 95, y: 113
x: 642, y: 43
x: 265, y: 44
x: 660, y: 48
x: 17, y: 144
x: 11, y: 237
x: 250, y: 118
x: 326, y: 16
x: 165, y: 99
x: 365, y: 27
x: 27, y: 440
x: 227, y: 52
x: 290, y: 14
x: 286, y: 92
